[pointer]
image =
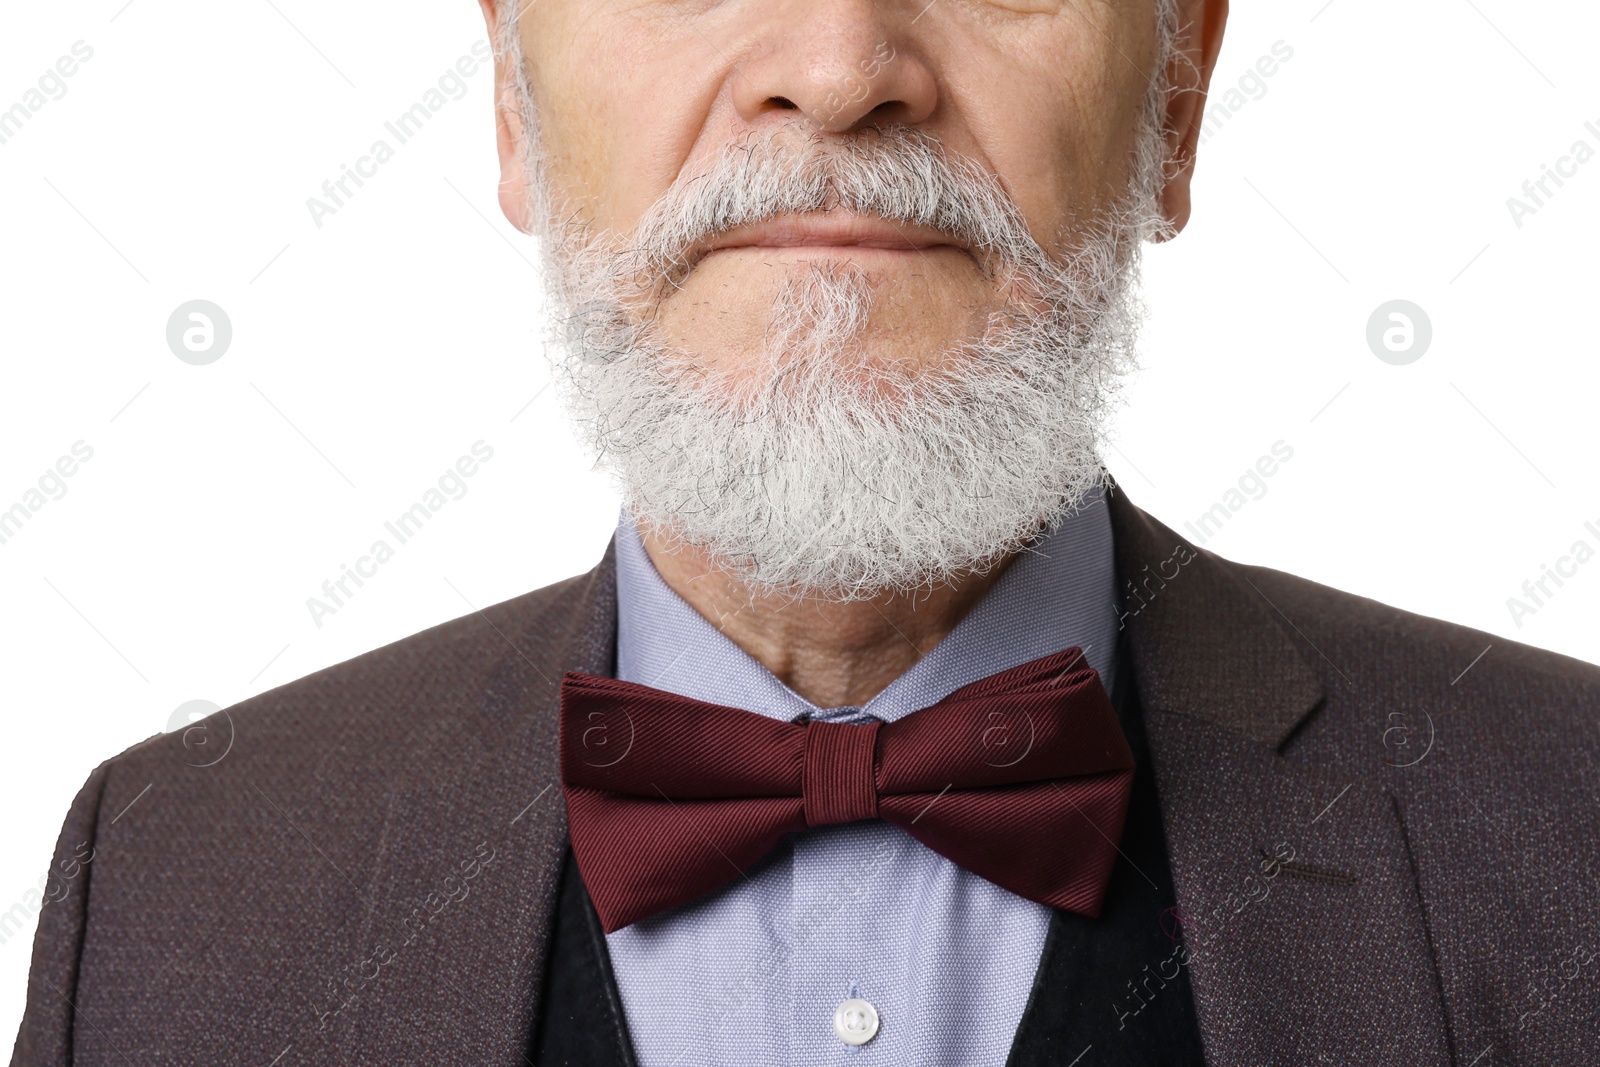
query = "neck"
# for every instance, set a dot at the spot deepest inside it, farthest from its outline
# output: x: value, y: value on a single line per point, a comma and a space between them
x: 834, y: 654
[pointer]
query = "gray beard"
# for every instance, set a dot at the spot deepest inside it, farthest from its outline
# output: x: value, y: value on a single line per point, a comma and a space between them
x: 815, y: 470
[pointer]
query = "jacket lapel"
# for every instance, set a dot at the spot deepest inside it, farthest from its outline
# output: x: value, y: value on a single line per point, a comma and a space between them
x: 1299, y: 901
x: 459, y: 911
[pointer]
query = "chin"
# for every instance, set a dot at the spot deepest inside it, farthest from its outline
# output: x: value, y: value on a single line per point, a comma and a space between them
x: 865, y: 336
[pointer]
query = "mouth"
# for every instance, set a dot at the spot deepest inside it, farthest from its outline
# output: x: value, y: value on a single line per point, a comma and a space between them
x: 835, y: 234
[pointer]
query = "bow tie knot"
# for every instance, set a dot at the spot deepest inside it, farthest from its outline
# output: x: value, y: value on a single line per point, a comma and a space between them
x: 839, y: 781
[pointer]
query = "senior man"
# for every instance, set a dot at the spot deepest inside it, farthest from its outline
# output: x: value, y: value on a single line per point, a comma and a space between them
x: 887, y: 731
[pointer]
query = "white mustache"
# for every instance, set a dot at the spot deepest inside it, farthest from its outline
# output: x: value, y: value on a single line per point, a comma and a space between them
x: 899, y: 174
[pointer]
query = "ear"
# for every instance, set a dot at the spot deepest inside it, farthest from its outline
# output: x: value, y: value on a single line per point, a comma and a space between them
x: 508, y: 126
x: 1201, y: 24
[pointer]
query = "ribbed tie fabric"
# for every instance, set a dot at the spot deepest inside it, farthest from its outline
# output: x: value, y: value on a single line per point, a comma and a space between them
x: 1022, y: 778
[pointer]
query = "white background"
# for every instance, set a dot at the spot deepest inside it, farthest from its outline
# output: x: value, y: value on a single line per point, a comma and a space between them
x: 370, y: 353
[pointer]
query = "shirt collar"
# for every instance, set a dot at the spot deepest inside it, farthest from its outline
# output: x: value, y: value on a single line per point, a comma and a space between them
x: 1060, y: 592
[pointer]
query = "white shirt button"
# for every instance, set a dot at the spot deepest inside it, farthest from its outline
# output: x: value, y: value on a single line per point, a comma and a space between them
x: 856, y: 1022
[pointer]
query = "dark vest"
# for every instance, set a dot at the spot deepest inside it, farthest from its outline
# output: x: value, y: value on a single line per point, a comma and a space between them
x: 1116, y: 984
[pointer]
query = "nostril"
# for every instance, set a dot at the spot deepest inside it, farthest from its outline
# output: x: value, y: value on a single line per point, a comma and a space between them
x: 785, y: 104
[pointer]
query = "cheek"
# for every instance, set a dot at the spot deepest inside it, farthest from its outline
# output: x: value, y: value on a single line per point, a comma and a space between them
x: 1068, y: 169
x: 1053, y: 115
x: 618, y: 130
x: 580, y: 134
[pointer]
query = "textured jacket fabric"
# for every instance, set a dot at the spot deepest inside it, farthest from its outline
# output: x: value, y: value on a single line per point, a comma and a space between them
x: 1378, y: 858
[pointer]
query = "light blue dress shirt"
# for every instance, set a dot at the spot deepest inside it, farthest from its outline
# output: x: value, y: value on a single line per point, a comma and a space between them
x: 752, y: 973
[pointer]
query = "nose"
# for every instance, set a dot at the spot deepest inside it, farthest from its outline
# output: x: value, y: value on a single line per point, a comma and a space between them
x: 840, y: 63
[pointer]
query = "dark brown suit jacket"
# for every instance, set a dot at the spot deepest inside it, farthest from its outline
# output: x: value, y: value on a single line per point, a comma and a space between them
x: 359, y: 867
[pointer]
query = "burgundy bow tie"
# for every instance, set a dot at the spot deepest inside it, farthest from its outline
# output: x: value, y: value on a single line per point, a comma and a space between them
x: 1022, y: 778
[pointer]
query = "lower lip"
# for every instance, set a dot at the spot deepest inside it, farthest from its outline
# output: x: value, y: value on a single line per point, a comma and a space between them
x: 821, y: 251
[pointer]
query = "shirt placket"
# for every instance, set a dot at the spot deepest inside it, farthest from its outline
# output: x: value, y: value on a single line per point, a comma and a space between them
x: 846, y: 933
